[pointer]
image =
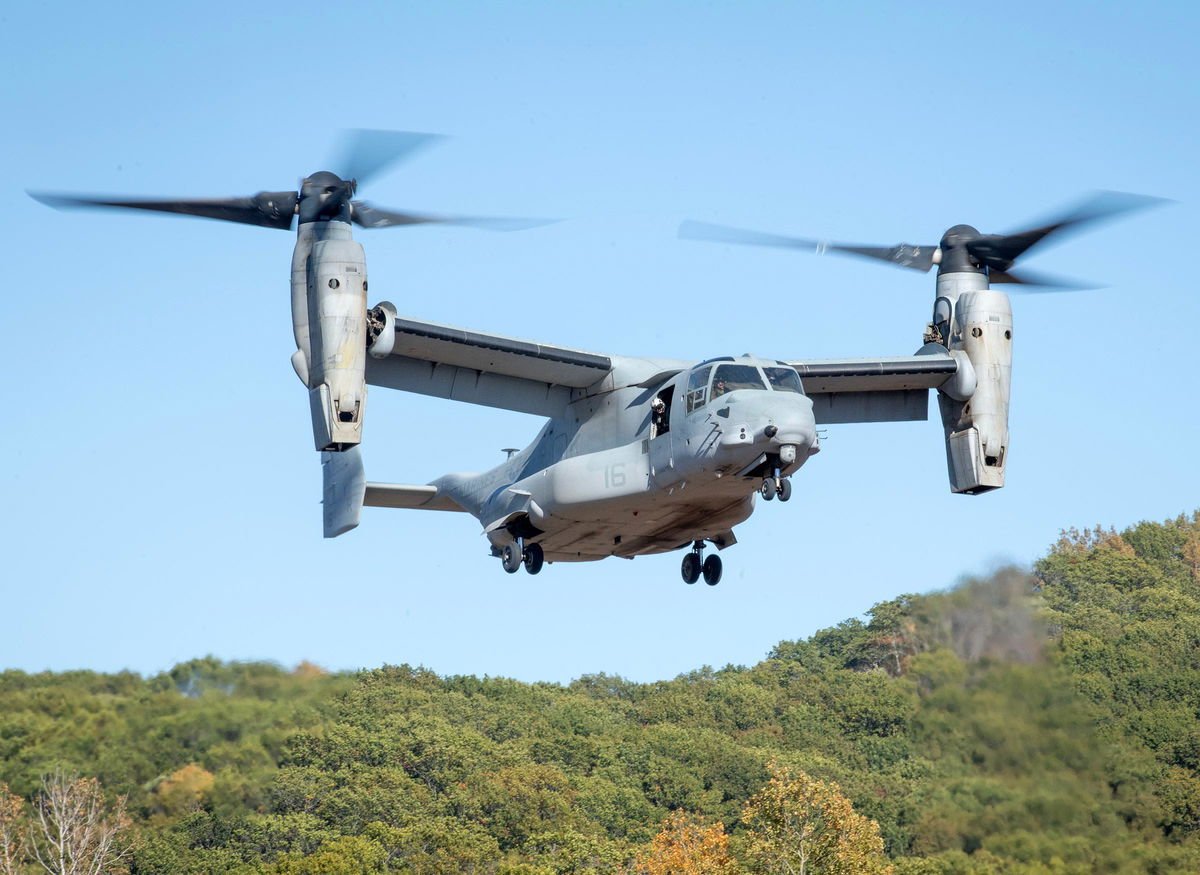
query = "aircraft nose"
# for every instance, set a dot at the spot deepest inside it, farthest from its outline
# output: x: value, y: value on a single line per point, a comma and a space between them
x: 771, y: 421
x: 791, y: 424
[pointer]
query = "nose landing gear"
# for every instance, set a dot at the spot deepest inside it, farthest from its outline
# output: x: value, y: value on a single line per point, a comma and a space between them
x: 515, y: 554
x: 692, y: 567
x: 776, y: 485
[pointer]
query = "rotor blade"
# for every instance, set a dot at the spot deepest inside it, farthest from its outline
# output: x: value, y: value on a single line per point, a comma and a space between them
x: 365, y: 152
x: 1038, y: 282
x: 691, y: 230
x: 904, y: 255
x: 366, y: 216
x: 1001, y: 250
x: 268, y: 209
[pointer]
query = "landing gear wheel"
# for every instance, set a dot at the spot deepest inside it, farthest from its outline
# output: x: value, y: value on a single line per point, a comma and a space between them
x: 691, y: 568
x: 785, y: 490
x: 768, y: 488
x: 512, y: 557
x: 534, y: 557
x: 712, y: 570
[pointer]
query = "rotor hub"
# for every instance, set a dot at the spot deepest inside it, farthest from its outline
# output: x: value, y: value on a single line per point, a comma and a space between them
x: 956, y: 255
x: 325, y: 196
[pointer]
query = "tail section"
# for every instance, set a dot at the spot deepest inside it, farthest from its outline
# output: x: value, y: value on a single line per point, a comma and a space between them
x: 346, y: 491
x: 344, y: 488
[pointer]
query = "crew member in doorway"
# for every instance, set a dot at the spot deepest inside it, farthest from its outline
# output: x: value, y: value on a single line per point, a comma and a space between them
x: 658, y: 418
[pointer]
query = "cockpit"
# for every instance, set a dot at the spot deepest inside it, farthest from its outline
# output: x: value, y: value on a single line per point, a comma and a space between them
x: 712, y: 380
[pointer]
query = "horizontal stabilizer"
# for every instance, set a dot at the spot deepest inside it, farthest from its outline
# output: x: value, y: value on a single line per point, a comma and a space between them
x: 344, y: 486
x: 414, y: 497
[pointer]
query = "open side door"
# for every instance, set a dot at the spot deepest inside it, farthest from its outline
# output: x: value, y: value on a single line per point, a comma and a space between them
x: 662, y: 440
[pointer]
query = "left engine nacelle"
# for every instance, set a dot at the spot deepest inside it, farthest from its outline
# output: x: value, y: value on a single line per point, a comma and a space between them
x: 329, y: 315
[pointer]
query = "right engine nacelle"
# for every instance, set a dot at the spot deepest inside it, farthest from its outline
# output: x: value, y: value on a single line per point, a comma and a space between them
x: 976, y: 319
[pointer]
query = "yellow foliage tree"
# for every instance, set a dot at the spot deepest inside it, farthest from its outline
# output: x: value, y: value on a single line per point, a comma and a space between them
x: 802, y: 826
x: 181, y: 791
x: 686, y: 846
x: 307, y: 671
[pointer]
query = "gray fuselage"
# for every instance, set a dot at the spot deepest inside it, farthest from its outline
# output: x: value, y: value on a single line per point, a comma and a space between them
x: 615, y: 477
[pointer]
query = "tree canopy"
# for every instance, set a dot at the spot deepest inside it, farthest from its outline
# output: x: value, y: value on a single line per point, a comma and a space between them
x: 1026, y: 722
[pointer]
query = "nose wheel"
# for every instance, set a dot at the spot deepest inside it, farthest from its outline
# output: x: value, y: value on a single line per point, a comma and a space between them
x: 776, y: 485
x: 693, y: 566
x: 514, y: 555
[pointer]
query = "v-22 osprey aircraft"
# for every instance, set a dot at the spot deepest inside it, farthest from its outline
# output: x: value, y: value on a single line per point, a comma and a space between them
x: 638, y: 455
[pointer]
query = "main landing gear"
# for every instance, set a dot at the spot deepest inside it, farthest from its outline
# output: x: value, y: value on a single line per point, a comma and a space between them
x: 516, y: 553
x: 693, y: 567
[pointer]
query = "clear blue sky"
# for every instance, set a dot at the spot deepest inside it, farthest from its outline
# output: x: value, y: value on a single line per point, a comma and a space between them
x: 160, y: 492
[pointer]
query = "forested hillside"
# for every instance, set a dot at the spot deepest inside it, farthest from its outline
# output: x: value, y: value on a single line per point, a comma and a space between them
x: 1040, y: 722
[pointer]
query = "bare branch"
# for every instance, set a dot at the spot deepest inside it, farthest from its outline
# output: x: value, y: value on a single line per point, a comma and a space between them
x: 12, y: 809
x: 78, y: 833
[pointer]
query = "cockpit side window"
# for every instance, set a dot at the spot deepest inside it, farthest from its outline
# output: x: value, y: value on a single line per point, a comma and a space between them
x: 697, y: 389
x: 730, y: 377
x: 784, y: 380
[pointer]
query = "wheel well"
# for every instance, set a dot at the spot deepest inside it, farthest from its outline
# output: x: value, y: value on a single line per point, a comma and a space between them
x: 521, y: 527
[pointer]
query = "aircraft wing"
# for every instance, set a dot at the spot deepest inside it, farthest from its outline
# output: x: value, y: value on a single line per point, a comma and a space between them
x: 482, y: 368
x: 891, y: 389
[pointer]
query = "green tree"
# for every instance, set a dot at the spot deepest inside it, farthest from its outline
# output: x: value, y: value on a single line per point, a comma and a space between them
x: 347, y: 855
x: 435, y: 845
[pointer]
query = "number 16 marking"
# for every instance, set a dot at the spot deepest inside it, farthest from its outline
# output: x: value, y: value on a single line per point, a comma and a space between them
x: 614, y: 475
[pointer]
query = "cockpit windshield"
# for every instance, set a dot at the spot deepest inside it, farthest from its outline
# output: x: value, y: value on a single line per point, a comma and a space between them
x: 727, y: 378
x: 784, y: 380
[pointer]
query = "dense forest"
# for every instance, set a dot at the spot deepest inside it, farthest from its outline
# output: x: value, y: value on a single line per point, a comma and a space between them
x: 1038, y: 721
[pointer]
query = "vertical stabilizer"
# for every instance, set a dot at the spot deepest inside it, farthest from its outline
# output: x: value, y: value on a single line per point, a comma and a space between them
x: 345, y: 485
